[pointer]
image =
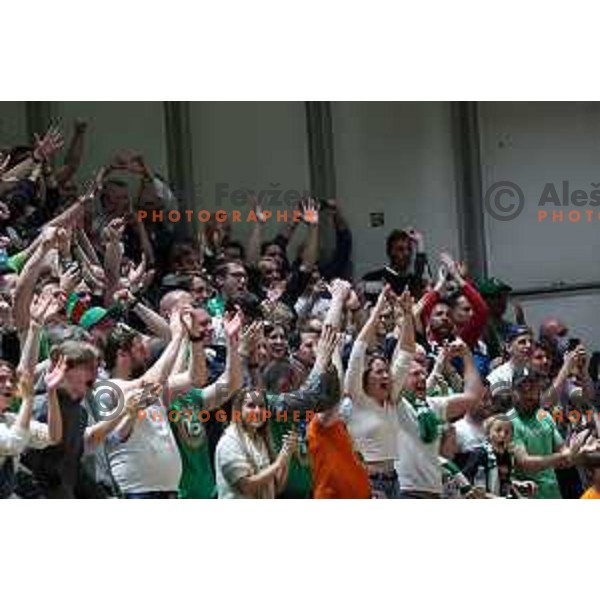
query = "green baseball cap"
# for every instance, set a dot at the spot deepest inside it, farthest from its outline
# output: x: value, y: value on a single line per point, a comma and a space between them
x: 493, y: 286
x: 93, y: 316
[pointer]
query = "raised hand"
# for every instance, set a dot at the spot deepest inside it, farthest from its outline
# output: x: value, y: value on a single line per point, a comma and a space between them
x: 382, y: 300
x: 124, y: 296
x: 39, y: 309
x: 51, y: 143
x: 176, y: 323
x: 49, y: 238
x: 441, y: 283
x: 136, y: 275
x: 327, y: 343
x: 352, y: 301
x: 55, y: 376
x: 92, y: 187
x: 260, y: 215
x: 339, y: 288
x: 70, y: 278
x: 457, y: 348
x: 451, y: 266
x: 232, y: 324
x: 249, y: 338
x: 310, y: 211
x: 114, y: 230
x: 190, y: 322
x: 406, y: 302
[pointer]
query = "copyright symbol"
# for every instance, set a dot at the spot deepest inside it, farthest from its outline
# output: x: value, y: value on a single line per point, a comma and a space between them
x: 504, y: 201
x: 108, y: 399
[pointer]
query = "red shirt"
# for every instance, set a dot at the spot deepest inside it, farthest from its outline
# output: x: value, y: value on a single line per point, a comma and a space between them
x: 471, y: 331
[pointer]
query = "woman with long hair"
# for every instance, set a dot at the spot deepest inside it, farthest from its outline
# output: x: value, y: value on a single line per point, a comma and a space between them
x: 245, y: 462
x: 375, y: 389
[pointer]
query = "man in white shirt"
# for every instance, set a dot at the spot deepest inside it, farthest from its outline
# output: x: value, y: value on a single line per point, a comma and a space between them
x: 421, y: 417
x: 469, y: 429
x: 146, y: 463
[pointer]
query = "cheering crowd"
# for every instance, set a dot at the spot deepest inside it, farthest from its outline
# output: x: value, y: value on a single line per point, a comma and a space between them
x: 136, y: 363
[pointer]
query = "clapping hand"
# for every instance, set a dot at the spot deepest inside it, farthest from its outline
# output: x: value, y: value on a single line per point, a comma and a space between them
x: 55, y: 376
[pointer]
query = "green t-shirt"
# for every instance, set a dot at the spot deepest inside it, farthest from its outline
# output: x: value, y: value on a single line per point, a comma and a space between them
x: 299, y: 482
x: 540, y: 437
x: 197, y: 478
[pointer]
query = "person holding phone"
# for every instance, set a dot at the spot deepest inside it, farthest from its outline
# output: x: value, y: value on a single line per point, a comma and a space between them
x: 405, y: 250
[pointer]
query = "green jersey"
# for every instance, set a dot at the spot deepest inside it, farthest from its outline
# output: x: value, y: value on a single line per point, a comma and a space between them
x: 197, y: 478
x: 540, y: 437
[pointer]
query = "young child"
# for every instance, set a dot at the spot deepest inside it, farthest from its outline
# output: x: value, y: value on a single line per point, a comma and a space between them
x: 498, y: 429
x: 455, y: 483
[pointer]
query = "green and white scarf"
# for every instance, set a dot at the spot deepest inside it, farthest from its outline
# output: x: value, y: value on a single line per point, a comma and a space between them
x: 428, y: 422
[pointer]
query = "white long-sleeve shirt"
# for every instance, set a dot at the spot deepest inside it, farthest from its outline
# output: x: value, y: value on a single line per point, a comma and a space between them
x: 373, y: 427
x: 14, y: 440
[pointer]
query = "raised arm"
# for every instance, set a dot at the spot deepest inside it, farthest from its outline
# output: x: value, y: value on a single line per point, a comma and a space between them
x: 196, y: 374
x: 406, y: 347
x: 161, y: 369
x: 218, y: 393
x: 52, y: 380
x: 458, y: 404
x: 153, y: 321
x: 113, y: 254
x: 339, y: 290
x: 254, y: 241
x: 74, y: 153
x: 41, y: 309
x: 14, y: 440
x: 28, y: 278
x: 310, y: 215
x: 432, y: 297
x: 356, y: 364
x: 321, y: 390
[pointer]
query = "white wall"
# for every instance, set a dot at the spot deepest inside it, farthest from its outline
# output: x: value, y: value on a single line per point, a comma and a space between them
x: 395, y: 158
x: 579, y: 311
x: 531, y: 144
x: 13, y: 125
x: 115, y: 126
x: 259, y: 146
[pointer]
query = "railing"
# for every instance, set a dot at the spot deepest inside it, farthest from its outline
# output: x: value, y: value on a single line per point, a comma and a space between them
x: 559, y: 288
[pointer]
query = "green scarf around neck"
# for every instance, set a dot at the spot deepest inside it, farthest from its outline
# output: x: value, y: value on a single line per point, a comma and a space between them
x: 428, y: 422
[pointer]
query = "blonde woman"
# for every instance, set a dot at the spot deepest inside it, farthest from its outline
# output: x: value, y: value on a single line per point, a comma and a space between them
x: 246, y: 465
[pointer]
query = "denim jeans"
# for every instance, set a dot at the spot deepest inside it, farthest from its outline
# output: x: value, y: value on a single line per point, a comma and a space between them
x: 385, y: 485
